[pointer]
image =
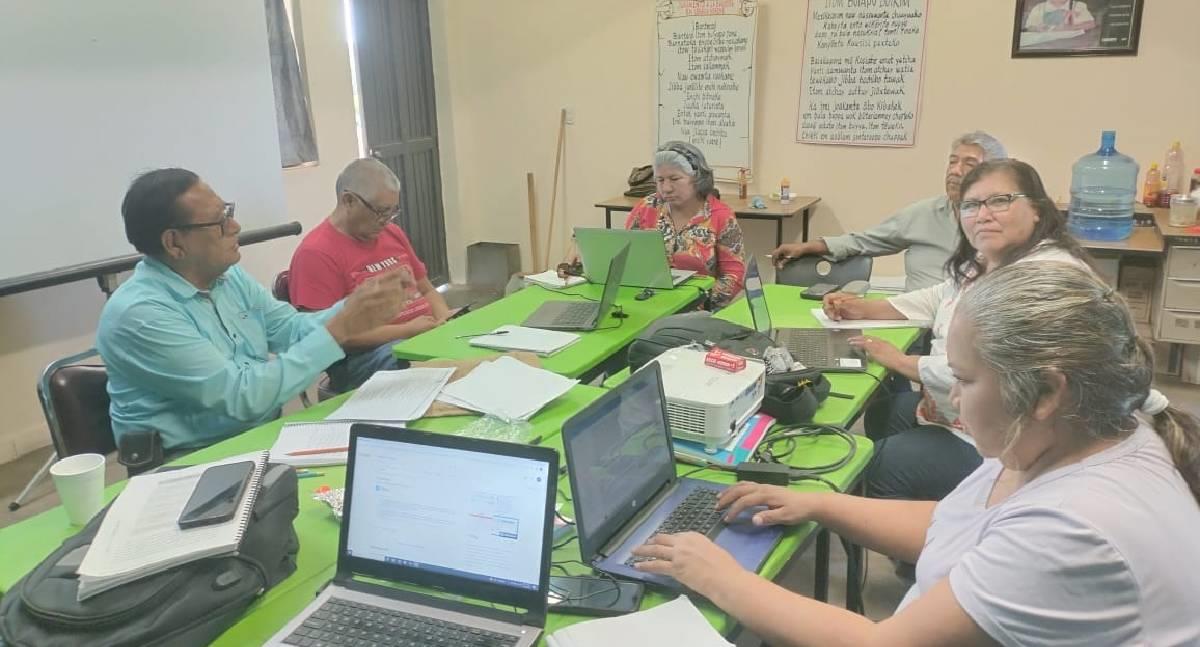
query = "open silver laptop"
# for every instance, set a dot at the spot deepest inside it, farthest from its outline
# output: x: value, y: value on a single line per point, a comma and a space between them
x: 581, y: 315
x: 437, y: 514
x: 648, y: 265
x: 819, y: 348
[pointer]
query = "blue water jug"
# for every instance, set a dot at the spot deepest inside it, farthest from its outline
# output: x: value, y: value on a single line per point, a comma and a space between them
x: 1103, y: 189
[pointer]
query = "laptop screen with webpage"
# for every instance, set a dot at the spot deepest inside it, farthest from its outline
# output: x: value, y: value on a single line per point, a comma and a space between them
x: 444, y: 513
x: 756, y: 299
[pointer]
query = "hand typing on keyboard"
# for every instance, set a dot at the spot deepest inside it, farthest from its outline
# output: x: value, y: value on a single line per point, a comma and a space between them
x: 691, y: 558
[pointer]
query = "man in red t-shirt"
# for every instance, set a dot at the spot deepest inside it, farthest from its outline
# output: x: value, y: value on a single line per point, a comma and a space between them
x: 357, y: 241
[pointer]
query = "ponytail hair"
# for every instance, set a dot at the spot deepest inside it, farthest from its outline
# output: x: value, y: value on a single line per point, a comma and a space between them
x: 1180, y: 432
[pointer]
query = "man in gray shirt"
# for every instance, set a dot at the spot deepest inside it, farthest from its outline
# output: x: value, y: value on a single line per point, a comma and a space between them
x: 926, y: 229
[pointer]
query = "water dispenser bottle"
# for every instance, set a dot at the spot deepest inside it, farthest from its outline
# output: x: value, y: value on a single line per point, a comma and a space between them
x: 1103, y: 188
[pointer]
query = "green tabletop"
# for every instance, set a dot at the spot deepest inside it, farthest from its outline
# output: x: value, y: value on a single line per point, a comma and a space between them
x: 788, y: 310
x: 573, y: 361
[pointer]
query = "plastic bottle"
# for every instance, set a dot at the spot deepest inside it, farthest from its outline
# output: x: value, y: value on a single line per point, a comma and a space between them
x: 743, y: 184
x: 1152, y: 186
x: 1173, y: 174
x: 785, y: 191
x: 1103, y: 189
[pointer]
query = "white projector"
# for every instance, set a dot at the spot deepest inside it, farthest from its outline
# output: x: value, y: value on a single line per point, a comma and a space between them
x: 708, y: 404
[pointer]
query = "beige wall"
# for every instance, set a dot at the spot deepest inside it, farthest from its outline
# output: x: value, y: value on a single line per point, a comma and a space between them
x: 506, y: 68
x: 39, y: 327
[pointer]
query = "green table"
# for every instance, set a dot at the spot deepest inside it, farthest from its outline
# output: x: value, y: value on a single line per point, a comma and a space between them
x: 28, y: 542
x: 788, y: 310
x: 576, y: 360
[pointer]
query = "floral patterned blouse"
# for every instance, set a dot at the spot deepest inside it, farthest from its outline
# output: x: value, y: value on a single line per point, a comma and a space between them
x: 710, y: 244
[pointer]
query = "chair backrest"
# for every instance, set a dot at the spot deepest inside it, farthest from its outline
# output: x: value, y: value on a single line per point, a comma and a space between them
x: 75, y: 401
x: 809, y: 270
x: 280, y: 289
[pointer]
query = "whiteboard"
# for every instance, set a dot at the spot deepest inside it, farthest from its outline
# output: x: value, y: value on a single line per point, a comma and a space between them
x: 706, y: 77
x: 96, y: 92
x: 860, y: 83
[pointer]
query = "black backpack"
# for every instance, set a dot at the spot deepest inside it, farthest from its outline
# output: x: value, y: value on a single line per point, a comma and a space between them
x: 791, y: 398
x: 190, y: 604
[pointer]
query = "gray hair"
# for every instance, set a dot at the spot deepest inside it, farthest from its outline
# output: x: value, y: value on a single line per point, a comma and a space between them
x: 992, y: 148
x: 688, y: 159
x: 1035, y: 317
x: 365, y: 177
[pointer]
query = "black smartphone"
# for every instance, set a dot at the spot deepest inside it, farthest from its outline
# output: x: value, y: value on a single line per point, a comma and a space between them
x: 818, y: 291
x: 460, y: 312
x: 217, y: 494
x: 594, y: 596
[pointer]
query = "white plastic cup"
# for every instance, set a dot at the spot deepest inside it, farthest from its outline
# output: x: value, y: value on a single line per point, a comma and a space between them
x: 79, y: 480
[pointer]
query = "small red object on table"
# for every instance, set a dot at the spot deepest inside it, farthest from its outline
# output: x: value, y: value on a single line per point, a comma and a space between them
x: 718, y: 358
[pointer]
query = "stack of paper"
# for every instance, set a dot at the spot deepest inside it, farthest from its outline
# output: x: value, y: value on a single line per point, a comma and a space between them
x: 298, y: 444
x: 865, y: 324
x: 506, y: 388
x: 394, y: 396
x: 534, y: 340
x: 677, y: 622
x: 550, y: 279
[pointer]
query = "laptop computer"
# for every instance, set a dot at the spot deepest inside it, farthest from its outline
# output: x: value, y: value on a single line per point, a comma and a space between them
x: 626, y: 490
x: 648, y: 265
x: 821, y: 348
x: 581, y: 315
x: 410, y: 518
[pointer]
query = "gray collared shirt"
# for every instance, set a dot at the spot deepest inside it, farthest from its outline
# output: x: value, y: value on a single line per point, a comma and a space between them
x: 926, y: 229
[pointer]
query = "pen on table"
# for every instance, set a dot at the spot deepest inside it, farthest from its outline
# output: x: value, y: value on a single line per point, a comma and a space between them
x: 319, y: 450
x: 307, y: 474
x: 481, y: 334
x: 844, y: 396
x: 536, y: 440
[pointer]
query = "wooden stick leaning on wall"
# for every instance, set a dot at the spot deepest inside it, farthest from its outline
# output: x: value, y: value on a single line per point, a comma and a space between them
x: 533, y: 226
x: 558, y: 155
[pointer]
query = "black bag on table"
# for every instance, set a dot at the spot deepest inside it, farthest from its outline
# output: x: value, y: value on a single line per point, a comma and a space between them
x: 791, y: 398
x: 190, y: 604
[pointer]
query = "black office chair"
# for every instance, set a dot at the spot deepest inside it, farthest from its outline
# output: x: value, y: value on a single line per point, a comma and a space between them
x: 810, y: 270
x: 281, y: 290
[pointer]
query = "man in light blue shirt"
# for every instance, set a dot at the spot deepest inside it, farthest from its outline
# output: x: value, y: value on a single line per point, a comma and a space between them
x: 926, y: 231
x: 195, y: 348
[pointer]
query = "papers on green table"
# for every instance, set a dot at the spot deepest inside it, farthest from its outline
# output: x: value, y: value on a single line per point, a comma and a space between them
x: 550, y: 279
x: 534, y: 340
x: 307, y: 436
x: 677, y: 622
x: 140, y: 534
x: 394, y: 396
x: 866, y: 324
x: 506, y: 388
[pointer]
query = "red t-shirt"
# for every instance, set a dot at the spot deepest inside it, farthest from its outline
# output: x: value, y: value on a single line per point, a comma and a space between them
x: 328, y: 265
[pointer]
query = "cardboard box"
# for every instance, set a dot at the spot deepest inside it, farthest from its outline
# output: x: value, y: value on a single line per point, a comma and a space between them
x: 1136, y: 284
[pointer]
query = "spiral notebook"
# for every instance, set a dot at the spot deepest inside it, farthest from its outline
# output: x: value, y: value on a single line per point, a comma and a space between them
x: 141, y: 536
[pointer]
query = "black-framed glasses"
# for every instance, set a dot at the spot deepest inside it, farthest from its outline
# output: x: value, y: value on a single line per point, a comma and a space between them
x: 226, y: 215
x: 998, y: 203
x: 382, y: 214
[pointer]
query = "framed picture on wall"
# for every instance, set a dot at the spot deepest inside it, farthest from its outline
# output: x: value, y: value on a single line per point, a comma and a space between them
x: 1076, y: 28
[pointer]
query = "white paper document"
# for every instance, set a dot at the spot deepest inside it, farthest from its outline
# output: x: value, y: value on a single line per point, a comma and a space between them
x: 550, y: 279
x: 533, y: 340
x: 677, y: 622
x: 140, y: 534
x: 866, y: 324
x: 394, y: 396
x: 304, y: 436
x: 506, y: 388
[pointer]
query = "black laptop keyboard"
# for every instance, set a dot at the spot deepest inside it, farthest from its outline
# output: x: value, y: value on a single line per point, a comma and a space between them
x: 342, y: 622
x: 575, y: 314
x: 696, y: 513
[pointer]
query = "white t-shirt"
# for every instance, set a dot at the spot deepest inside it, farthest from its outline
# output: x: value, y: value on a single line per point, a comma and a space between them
x: 1102, y: 552
x: 937, y: 303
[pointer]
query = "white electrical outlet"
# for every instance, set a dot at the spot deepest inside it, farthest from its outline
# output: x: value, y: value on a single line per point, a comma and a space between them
x: 570, y: 115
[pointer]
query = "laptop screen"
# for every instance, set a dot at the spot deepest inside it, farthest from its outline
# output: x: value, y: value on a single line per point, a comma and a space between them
x: 612, y: 282
x: 619, y: 455
x: 756, y: 299
x: 448, y: 512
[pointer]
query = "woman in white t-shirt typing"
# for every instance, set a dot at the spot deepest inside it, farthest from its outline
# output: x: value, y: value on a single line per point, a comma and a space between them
x: 1079, y: 528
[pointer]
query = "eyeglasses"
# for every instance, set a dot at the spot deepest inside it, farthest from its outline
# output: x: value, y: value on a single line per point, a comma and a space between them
x: 382, y: 214
x: 998, y: 203
x: 226, y: 216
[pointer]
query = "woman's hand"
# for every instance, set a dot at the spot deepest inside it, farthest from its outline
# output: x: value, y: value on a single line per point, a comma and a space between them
x: 784, y: 506
x: 842, y: 305
x: 883, y: 352
x: 691, y: 558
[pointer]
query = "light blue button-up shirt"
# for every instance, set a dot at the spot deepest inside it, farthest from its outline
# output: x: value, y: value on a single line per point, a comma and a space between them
x: 200, y: 366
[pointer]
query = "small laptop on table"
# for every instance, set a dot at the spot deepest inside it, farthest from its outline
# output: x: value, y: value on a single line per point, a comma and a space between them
x: 820, y: 348
x: 625, y: 489
x: 411, y: 518
x: 582, y: 315
x: 648, y: 265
